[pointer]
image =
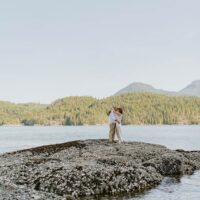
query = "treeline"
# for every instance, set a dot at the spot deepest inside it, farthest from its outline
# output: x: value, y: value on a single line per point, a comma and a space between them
x: 139, y: 108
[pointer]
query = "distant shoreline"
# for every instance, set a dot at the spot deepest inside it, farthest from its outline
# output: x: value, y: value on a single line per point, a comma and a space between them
x: 54, y: 125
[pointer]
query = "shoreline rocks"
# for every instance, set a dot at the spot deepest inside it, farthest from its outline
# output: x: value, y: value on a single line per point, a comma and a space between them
x: 78, y: 169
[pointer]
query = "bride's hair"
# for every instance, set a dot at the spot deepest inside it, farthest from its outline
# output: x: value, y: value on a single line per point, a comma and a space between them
x: 120, y: 110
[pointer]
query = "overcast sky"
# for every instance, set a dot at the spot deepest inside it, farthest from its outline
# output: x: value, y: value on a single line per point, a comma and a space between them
x: 51, y: 49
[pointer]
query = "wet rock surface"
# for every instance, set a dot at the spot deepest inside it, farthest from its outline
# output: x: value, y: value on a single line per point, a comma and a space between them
x: 87, y: 168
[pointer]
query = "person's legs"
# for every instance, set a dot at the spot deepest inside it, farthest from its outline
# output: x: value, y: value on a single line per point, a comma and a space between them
x: 118, y: 133
x: 112, y: 132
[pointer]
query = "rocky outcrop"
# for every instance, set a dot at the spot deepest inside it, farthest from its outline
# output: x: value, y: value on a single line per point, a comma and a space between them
x: 86, y: 168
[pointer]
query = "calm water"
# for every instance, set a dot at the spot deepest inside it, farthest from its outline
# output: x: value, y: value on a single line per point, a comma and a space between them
x: 174, y: 137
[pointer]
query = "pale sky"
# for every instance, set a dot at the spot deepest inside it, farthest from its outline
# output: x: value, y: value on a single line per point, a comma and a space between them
x: 51, y: 49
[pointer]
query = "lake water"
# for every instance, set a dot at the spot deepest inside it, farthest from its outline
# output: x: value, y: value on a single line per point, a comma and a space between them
x: 174, y: 137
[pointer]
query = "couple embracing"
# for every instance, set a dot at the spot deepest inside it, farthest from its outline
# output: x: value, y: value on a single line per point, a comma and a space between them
x: 115, y: 120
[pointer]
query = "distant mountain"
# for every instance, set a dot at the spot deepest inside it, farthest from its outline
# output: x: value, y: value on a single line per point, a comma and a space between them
x: 142, y: 87
x: 192, y: 89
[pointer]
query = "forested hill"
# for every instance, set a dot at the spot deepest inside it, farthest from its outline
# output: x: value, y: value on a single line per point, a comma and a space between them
x: 139, y: 108
x: 11, y: 113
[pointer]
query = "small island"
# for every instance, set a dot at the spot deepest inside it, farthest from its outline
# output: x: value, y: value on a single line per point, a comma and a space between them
x: 77, y: 169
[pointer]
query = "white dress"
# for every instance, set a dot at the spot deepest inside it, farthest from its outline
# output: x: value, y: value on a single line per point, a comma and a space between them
x: 119, y: 129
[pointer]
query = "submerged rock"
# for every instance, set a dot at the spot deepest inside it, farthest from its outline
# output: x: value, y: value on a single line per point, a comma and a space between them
x: 91, y: 167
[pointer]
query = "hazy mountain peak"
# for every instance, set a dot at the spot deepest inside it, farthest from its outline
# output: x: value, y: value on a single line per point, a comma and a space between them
x: 193, y: 89
x: 137, y: 87
x: 196, y: 83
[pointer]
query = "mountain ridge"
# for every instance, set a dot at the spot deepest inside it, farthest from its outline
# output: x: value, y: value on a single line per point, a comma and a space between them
x: 192, y: 89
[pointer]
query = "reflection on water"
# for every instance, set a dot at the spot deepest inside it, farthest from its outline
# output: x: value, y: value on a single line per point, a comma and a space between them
x: 186, y: 188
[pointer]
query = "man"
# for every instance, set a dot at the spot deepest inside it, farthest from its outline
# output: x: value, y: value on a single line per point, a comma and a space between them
x: 112, y: 124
